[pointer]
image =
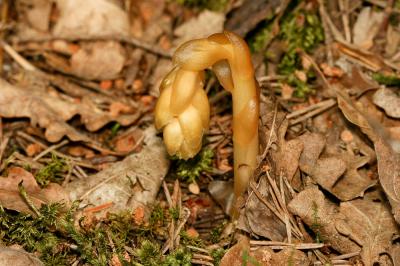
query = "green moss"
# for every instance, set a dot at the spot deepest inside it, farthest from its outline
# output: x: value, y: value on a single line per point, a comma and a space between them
x: 388, y: 80
x: 34, y: 233
x: 217, y: 255
x: 216, y: 232
x: 300, y: 30
x: 174, y: 212
x: 179, y: 257
x: 191, y: 169
x: 215, y: 5
x: 157, y: 216
x: 260, y: 38
x: 316, y: 224
x: 192, y: 241
x: 51, y: 172
x: 149, y: 253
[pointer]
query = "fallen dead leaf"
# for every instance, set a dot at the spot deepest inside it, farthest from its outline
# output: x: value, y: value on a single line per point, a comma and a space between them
x: 222, y: 193
x: 51, y: 112
x: 138, y: 215
x: 118, y: 108
x: 392, y: 40
x: 129, y: 184
x: 389, y: 101
x: 98, y: 60
x: 287, y: 154
x: 368, y: 59
x: 192, y: 232
x: 322, y: 216
x: 259, y: 219
x: 371, y: 225
x: 205, y: 24
x: 80, y: 151
x: 128, y: 142
x: 289, y: 256
x: 106, y: 84
x: 388, y: 159
x: 339, y: 172
x: 10, y: 197
x: 33, y: 149
x: 17, y: 257
x: 366, y: 27
x: 234, y: 256
x: 91, y: 19
x: 36, y: 13
x: 194, y: 188
x: 286, y: 91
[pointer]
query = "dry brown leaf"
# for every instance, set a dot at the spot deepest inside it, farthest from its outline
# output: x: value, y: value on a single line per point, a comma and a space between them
x: 51, y: 112
x: 129, y: 142
x: 288, y: 153
x: 234, y: 256
x: 98, y: 60
x: 33, y: 149
x: 90, y: 18
x: 358, y: 82
x: 392, y: 40
x: 389, y: 101
x: 313, y: 144
x: 129, y: 184
x: 222, y: 193
x: 370, y: 60
x: 10, y: 197
x: 205, y: 24
x: 36, y: 13
x: 265, y: 256
x: 259, y: 219
x: 322, y: 216
x: 16, y: 257
x: 388, y: 159
x: 367, y: 27
x: 289, y: 256
x: 371, y: 225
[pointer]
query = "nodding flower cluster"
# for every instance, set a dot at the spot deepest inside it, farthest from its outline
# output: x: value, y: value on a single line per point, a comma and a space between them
x: 183, y: 110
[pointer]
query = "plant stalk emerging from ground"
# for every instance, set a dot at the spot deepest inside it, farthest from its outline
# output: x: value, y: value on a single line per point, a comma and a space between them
x: 183, y: 110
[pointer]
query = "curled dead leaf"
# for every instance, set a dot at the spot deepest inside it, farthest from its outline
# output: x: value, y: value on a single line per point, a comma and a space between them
x: 51, y: 112
x: 10, y: 197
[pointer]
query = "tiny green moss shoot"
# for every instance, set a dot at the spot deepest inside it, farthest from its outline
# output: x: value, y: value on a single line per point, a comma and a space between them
x: 52, y: 172
x: 191, y: 169
x: 300, y: 30
x: 215, y: 5
x: 388, y: 80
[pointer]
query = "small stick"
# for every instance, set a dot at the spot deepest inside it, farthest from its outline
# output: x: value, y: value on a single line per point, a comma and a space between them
x: 344, y: 6
x: 313, y: 113
x: 201, y: 262
x: 17, y: 57
x: 129, y: 40
x: 201, y: 256
x: 310, y: 108
x: 50, y: 149
x: 80, y: 170
x: 59, y: 154
x: 198, y: 249
x: 3, y: 144
x: 167, y: 194
x: 100, y: 207
x: 282, y: 245
x: 28, y: 201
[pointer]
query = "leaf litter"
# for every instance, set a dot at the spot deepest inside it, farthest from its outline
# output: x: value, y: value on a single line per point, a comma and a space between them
x: 80, y: 82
